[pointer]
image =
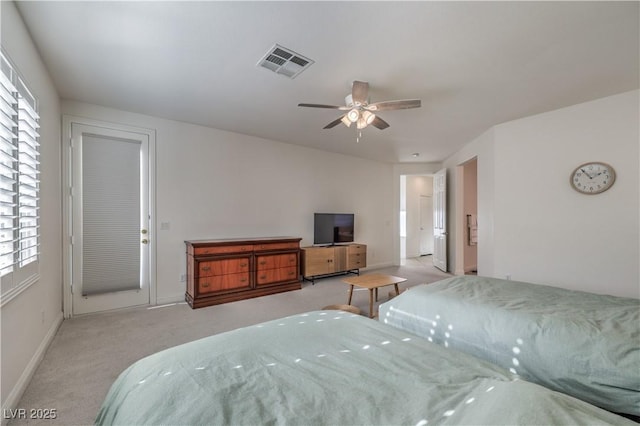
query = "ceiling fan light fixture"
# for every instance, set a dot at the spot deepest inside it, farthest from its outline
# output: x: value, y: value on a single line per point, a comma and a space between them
x: 368, y: 117
x: 345, y: 120
x: 353, y: 115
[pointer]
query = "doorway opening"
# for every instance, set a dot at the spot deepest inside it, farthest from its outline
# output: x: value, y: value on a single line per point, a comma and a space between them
x: 468, y: 241
x: 416, y: 218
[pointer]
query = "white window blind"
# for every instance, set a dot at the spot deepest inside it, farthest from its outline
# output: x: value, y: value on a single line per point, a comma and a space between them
x: 28, y: 179
x: 110, y: 214
x: 19, y: 175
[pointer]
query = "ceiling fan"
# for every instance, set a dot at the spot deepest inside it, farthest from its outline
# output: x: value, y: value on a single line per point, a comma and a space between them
x: 360, y: 111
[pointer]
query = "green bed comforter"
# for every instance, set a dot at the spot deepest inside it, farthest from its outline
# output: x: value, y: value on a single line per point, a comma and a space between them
x: 582, y: 344
x: 330, y: 368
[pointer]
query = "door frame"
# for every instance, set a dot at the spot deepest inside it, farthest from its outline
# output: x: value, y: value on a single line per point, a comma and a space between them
x: 399, y: 170
x: 67, y: 208
x: 440, y: 221
x: 461, y: 218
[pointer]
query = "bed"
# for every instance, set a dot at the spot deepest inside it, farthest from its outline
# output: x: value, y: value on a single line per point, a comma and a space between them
x: 330, y: 367
x: 578, y: 343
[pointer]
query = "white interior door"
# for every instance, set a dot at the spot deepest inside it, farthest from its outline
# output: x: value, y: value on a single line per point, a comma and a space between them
x: 426, y: 225
x: 109, y: 218
x: 440, y: 220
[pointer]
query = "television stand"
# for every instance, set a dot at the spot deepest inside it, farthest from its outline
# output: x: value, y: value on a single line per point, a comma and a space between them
x: 312, y: 279
x: 330, y: 261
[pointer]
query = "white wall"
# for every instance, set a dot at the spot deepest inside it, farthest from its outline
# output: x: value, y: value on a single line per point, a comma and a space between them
x: 217, y: 184
x: 587, y: 242
x: 30, y: 320
x: 542, y: 230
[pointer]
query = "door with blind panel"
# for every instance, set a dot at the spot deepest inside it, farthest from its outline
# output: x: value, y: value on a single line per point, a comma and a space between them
x: 110, y: 218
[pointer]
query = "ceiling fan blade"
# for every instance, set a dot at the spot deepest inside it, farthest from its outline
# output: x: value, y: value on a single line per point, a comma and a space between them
x: 390, y: 105
x: 360, y: 92
x: 334, y: 123
x: 343, y: 108
x: 379, y: 123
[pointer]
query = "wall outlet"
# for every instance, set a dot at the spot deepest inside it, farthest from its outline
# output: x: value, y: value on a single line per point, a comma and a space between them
x: 183, y: 277
x: 42, y: 316
x: 507, y: 277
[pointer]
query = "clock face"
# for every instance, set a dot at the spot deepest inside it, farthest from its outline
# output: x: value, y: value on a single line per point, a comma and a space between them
x: 593, y: 178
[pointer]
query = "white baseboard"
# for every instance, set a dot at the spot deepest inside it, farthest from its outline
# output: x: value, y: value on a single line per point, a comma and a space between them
x: 176, y: 298
x: 378, y: 266
x: 11, y: 402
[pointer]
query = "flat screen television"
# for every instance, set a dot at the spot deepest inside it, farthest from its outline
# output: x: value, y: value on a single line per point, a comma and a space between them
x: 332, y: 228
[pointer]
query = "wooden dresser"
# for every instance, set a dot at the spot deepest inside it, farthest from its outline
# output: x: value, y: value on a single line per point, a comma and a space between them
x: 221, y: 271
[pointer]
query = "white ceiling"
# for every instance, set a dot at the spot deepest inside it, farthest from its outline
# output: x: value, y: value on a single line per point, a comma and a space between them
x: 473, y: 64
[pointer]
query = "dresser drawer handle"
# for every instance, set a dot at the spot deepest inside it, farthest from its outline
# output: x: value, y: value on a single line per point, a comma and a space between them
x: 205, y: 285
x: 263, y: 277
x: 243, y: 280
x: 206, y: 268
x: 292, y: 273
x: 263, y: 262
x: 243, y: 265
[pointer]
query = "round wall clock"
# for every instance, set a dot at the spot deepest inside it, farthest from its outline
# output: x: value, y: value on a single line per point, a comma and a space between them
x: 592, y: 178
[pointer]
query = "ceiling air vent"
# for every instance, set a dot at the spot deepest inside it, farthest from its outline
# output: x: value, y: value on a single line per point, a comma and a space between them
x: 284, y: 61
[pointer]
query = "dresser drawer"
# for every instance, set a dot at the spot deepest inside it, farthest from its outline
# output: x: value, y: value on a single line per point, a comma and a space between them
x: 356, y: 263
x: 224, y: 282
x: 274, y: 261
x: 223, y: 266
x: 270, y: 276
x: 356, y: 256
x: 356, y: 249
x: 276, y: 246
x: 198, y: 251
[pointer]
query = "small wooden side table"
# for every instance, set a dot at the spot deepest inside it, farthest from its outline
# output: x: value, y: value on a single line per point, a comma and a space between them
x: 372, y: 282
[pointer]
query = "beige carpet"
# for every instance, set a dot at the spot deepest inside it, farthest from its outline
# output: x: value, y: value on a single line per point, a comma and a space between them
x: 89, y: 352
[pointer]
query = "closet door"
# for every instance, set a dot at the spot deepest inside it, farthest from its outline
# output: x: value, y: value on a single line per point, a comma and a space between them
x: 426, y: 225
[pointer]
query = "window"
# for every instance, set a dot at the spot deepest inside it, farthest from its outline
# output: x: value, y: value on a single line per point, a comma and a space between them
x: 19, y: 178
